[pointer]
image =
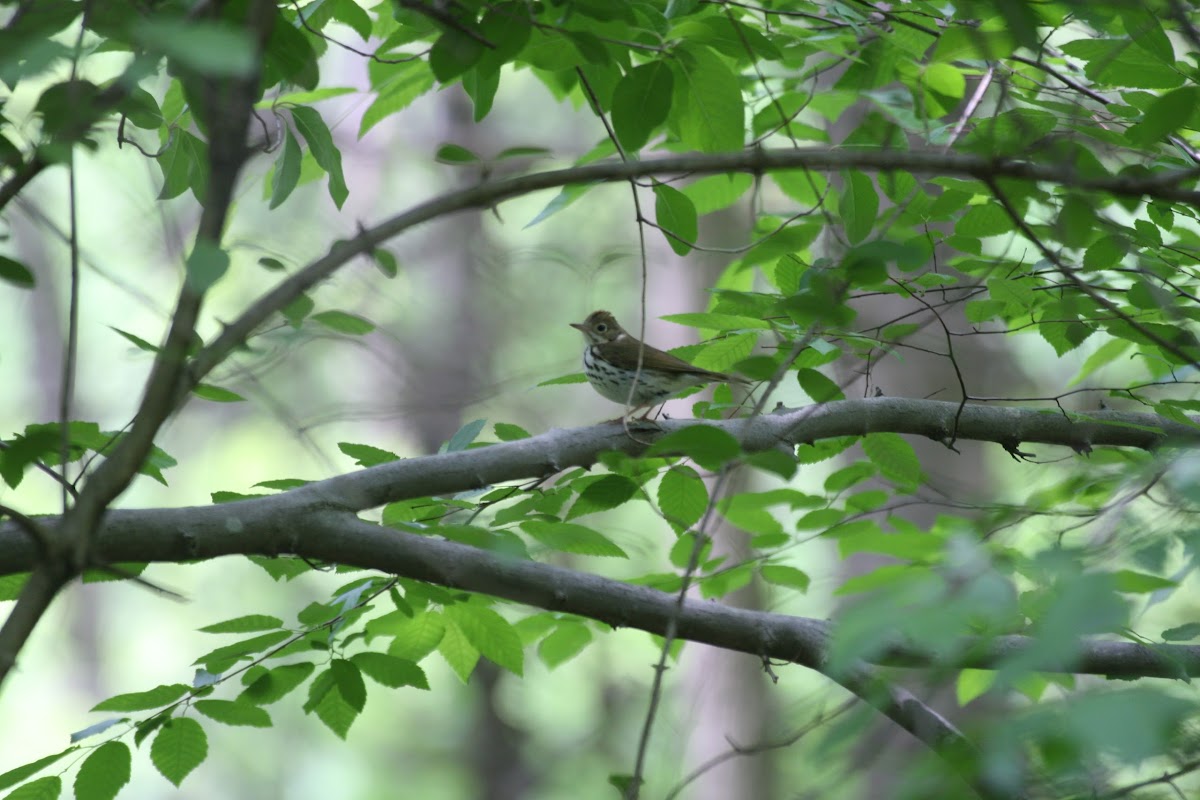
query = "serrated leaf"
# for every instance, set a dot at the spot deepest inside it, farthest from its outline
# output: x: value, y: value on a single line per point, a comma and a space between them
x: 682, y: 496
x: 608, y: 492
x: 141, y: 701
x: 18, y: 774
x: 489, y: 633
x: 894, y: 457
x: 237, y: 651
x: 327, y: 702
x: 276, y: 683
x: 707, y: 104
x: 565, y: 642
x: 232, y: 712
x: 349, y: 682
x: 676, y: 216
x: 641, y: 102
x: 782, y: 575
x: 390, y: 671
x: 458, y: 652
x: 709, y: 447
x: 569, y: 537
x: 321, y: 145
x: 859, y: 207
x: 417, y: 637
x: 178, y: 748
x: 366, y: 455
x: 47, y: 788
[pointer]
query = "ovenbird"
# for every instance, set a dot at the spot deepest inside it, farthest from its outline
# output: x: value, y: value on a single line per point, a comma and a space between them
x: 610, y: 361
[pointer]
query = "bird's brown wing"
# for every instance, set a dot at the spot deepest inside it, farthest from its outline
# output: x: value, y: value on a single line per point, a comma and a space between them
x: 624, y: 353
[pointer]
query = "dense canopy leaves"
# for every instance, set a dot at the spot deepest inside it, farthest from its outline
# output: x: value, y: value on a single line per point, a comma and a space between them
x: 997, y: 187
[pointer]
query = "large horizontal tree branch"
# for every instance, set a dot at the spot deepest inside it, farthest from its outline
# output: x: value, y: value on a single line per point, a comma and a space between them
x: 316, y: 521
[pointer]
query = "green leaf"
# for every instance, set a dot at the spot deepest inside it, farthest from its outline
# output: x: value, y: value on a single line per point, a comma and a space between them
x: 682, y: 496
x: 216, y: 660
x: 819, y: 386
x: 142, y: 701
x: 18, y: 774
x: 989, y: 219
x: 1182, y: 633
x: 206, y: 391
x: 568, y: 537
x: 945, y: 79
x: 104, y: 772
x: 366, y: 455
x: 641, y: 102
x: 206, y: 265
x: 325, y: 700
x: 137, y: 341
x: 489, y: 633
x: 465, y: 435
x: 246, y: 624
x: 47, y: 788
x: 707, y: 104
x: 565, y: 642
x: 287, y: 170
x: 859, y: 207
x: 214, y: 48
x: 343, y: 322
x: 275, y: 684
x: 16, y: 273
x: 453, y: 54
x: 676, y: 217
x: 893, y: 457
x: 390, y: 671
x: 455, y: 154
x: 709, y: 447
x: 782, y: 575
x: 321, y: 145
x: 349, y: 682
x: 1141, y: 583
x: 232, y: 712
x: 397, y: 85
x: 972, y: 683
x: 608, y: 492
x: 178, y: 748
x: 458, y: 652
x: 1165, y: 115
x: 507, y: 432
x: 416, y: 637
x: 574, y: 377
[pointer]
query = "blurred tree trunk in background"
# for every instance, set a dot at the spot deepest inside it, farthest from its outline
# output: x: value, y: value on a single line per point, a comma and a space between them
x: 446, y: 374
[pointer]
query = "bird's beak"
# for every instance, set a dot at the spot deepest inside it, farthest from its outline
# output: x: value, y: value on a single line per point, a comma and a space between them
x: 577, y: 325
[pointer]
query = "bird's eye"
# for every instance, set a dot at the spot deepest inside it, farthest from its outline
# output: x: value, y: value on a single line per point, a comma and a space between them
x: 601, y: 328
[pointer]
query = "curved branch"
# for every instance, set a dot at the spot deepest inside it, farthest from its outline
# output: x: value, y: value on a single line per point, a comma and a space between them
x: 1168, y: 186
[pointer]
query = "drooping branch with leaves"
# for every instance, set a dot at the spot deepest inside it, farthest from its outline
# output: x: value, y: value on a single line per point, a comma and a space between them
x: 1001, y: 194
